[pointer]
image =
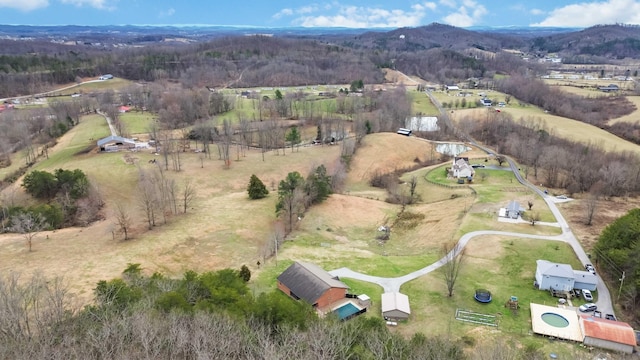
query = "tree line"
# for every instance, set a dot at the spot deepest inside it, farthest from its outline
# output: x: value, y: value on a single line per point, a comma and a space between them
x: 210, y: 315
x: 575, y: 166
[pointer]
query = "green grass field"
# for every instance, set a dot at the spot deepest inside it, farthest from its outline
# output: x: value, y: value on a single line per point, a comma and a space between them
x: 137, y: 122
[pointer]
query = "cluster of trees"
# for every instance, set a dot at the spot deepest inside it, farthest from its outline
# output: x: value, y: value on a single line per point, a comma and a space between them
x: 159, y: 197
x: 576, y: 166
x: 209, y: 315
x: 27, y: 129
x: 68, y: 199
x: 616, y: 254
x: 296, y: 195
x: 212, y: 315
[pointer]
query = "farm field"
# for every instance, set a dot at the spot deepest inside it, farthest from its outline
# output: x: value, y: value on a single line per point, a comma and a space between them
x: 559, y: 126
x: 223, y: 228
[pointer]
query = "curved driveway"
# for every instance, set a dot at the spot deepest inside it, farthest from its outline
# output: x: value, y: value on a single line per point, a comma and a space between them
x: 394, y: 284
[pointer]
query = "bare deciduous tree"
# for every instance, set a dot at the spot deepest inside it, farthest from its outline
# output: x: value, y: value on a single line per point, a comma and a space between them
x: 29, y: 225
x: 188, y: 194
x: 123, y: 220
x: 452, y: 258
x: 590, y: 207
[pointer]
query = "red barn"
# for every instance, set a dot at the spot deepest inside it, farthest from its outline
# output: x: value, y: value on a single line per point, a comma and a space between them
x: 312, y: 284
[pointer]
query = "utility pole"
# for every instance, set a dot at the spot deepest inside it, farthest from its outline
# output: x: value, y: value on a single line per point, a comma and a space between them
x: 275, y: 240
x: 620, y: 290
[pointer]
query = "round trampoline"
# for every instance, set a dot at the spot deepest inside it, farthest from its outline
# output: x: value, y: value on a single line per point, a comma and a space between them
x: 555, y: 320
x: 483, y: 296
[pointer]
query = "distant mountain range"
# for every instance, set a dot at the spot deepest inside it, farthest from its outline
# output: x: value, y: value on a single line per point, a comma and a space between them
x: 607, y: 41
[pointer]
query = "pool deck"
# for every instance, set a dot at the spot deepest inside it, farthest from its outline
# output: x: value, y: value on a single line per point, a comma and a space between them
x: 571, y: 332
x: 338, y: 304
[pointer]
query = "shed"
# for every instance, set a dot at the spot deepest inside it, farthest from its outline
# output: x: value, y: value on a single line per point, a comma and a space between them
x: 395, y: 306
x: 584, y: 280
x: 404, y: 131
x: 312, y: 284
x: 553, y: 276
x: 608, y: 334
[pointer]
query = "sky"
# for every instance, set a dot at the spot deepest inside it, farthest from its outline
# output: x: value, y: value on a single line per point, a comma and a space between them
x: 329, y: 13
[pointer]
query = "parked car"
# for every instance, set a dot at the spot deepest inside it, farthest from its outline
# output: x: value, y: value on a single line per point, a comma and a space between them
x: 610, y: 317
x: 562, y: 197
x: 590, y: 268
x: 597, y: 313
x: 588, y: 307
x: 587, y: 295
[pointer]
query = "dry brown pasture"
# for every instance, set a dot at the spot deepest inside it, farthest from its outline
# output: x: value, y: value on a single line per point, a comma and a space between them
x: 559, y: 126
x: 223, y: 228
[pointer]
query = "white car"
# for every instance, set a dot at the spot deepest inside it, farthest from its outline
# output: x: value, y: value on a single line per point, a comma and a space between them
x: 586, y: 294
x: 588, y: 307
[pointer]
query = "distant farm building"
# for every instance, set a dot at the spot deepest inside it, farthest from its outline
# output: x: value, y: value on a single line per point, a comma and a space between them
x: 115, y: 143
x: 609, y: 88
x: 404, y: 131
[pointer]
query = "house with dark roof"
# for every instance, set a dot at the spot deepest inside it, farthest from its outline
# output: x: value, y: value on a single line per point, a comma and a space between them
x: 312, y: 284
x: 607, y: 334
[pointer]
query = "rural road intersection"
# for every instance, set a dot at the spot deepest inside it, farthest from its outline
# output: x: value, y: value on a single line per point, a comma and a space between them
x: 393, y: 284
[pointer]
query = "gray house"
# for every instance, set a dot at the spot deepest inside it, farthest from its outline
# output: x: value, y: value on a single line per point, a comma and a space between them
x: 514, y: 210
x: 584, y: 280
x: 552, y: 276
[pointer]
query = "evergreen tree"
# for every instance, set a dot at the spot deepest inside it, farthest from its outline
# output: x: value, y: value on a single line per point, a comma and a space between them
x: 293, y: 137
x: 256, y: 188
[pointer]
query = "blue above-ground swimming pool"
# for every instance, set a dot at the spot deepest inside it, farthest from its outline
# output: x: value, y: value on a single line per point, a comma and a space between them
x: 346, y: 310
x: 555, y: 320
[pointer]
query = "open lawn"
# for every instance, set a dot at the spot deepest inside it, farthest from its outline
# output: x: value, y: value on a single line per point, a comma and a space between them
x: 136, y: 122
x: 223, y: 228
x: 504, y: 266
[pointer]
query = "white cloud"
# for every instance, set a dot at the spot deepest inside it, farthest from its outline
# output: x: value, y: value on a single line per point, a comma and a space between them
x: 167, y: 13
x: 536, y: 12
x: 358, y: 16
x: 448, y: 3
x: 98, y: 4
x: 468, y: 13
x: 587, y: 14
x: 24, y: 5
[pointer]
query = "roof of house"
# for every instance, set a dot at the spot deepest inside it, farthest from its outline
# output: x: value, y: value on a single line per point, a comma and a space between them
x: 553, y: 269
x: 114, y: 138
x: 395, y: 301
x: 514, y: 206
x: 308, y: 281
x: 610, y: 330
x: 585, y: 277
